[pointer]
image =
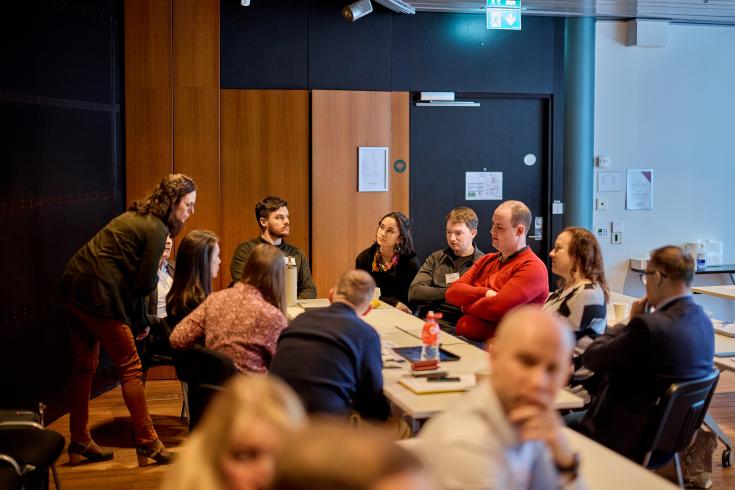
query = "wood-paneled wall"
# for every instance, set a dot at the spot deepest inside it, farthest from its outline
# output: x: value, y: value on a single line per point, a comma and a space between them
x: 265, y: 151
x: 344, y: 221
x: 148, y: 95
x: 172, y: 100
x: 172, y: 104
x: 196, y: 108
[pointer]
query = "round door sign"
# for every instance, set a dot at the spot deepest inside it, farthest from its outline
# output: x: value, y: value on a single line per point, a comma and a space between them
x: 399, y: 166
x: 530, y: 159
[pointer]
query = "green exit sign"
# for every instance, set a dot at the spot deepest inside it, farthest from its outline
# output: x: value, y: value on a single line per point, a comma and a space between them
x: 503, y: 18
x: 516, y: 4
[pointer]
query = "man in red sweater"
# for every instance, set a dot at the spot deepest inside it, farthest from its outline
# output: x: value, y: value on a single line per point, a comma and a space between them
x: 499, y: 282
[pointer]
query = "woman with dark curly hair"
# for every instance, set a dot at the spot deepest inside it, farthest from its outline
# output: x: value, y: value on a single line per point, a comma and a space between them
x: 391, y: 259
x: 104, y: 285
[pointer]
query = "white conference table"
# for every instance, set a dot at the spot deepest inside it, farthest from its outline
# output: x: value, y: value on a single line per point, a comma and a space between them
x: 603, y: 469
x: 398, y: 329
x: 724, y: 292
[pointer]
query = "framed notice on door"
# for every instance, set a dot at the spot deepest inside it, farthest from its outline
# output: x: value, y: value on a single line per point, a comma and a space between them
x: 372, y: 169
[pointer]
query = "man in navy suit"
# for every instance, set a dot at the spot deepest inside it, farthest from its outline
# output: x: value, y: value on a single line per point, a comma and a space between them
x: 640, y: 360
x: 332, y: 358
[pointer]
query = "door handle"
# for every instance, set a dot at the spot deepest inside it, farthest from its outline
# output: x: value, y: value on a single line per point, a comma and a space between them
x: 538, y: 228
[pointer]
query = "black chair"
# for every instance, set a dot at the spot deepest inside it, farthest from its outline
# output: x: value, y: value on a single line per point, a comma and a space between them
x: 676, y: 418
x: 155, y: 350
x: 204, y: 371
x: 28, y: 449
x: 11, y: 474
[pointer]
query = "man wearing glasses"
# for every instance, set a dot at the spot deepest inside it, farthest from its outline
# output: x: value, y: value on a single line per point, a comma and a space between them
x: 668, y: 339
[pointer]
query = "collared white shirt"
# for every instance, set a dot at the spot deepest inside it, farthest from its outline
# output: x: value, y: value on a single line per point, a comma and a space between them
x: 165, y: 281
x: 472, y: 446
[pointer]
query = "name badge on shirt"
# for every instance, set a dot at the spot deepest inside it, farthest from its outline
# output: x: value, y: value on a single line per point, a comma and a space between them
x: 450, y: 278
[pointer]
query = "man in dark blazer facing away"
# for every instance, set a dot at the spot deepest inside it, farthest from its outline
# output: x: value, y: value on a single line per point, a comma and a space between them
x: 332, y: 358
x: 640, y: 360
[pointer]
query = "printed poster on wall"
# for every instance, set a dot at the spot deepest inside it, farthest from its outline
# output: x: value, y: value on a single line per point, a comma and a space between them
x: 372, y: 169
x: 639, y: 189
x: 483, y: 186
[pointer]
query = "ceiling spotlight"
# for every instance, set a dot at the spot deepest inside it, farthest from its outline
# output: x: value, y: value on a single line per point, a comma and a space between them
x: 244, y: 3
x: 357, y: 10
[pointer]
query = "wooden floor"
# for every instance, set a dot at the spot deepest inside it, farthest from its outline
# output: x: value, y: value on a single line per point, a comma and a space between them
x: 111, y: 428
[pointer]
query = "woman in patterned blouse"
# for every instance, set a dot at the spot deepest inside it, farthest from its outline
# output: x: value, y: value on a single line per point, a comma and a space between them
x: 244, y: 321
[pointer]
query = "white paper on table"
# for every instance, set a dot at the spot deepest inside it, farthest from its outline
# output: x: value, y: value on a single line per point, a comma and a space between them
x: 639, y: 189
x: 483, y: 186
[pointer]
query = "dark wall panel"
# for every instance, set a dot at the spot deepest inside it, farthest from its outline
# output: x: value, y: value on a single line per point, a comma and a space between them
x: 349, y: 56
x: 55, y: 151
x: 60, y: 154
x: 61, y: 30
x: 300, y: 44
x: 457, y: 53
x: 263, y: 45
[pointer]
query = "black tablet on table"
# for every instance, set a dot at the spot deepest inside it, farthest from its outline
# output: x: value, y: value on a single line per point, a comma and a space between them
x: 413, y: 354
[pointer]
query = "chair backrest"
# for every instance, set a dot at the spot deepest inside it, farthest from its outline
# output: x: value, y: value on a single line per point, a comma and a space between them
x: 210, y: 367
x: 208, y: 370
x: 678, y: 414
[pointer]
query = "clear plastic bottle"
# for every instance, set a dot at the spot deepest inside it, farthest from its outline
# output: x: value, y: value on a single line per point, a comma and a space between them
x: 701, y: 258
x: 430, y: 337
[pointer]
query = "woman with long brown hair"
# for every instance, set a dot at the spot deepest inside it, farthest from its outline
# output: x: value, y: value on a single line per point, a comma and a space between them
x: 244, y: 321
x: 104, y: 285
x: 582, y: 293
x: 197, y: 263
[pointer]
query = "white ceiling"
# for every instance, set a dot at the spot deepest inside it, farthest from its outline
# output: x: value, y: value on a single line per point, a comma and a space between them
x: 693, y: 11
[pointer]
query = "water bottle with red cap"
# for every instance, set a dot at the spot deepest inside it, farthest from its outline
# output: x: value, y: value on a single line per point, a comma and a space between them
x: 430, y: 337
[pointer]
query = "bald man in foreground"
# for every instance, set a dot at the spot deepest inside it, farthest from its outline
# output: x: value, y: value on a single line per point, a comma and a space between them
x: 506, y: 434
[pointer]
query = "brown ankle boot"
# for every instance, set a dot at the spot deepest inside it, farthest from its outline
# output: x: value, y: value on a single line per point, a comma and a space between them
x: 156, y: 451
x: 88, y: 450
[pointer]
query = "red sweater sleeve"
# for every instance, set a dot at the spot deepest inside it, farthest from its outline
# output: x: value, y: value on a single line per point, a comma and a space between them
x: 527, y: 283
x: 462, y: 292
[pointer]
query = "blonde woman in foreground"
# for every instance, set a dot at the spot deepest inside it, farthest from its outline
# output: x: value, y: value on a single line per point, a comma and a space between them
x: 234, y: 445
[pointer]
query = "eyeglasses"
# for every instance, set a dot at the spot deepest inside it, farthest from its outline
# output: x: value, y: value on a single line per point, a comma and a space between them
x: 644, y: 275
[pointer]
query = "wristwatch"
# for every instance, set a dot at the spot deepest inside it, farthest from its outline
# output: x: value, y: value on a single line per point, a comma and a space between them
x: 570, y: 471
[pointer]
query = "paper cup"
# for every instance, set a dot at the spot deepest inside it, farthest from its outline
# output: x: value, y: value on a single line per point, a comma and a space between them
x: 482, y: 374
x: 375, y: 303
x: 621, y: 311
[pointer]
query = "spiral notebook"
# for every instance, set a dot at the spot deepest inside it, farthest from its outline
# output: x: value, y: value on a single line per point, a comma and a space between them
x: 423, y: 386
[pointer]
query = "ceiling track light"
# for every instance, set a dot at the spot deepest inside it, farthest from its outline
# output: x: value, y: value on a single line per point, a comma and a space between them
x: 357, y: 10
